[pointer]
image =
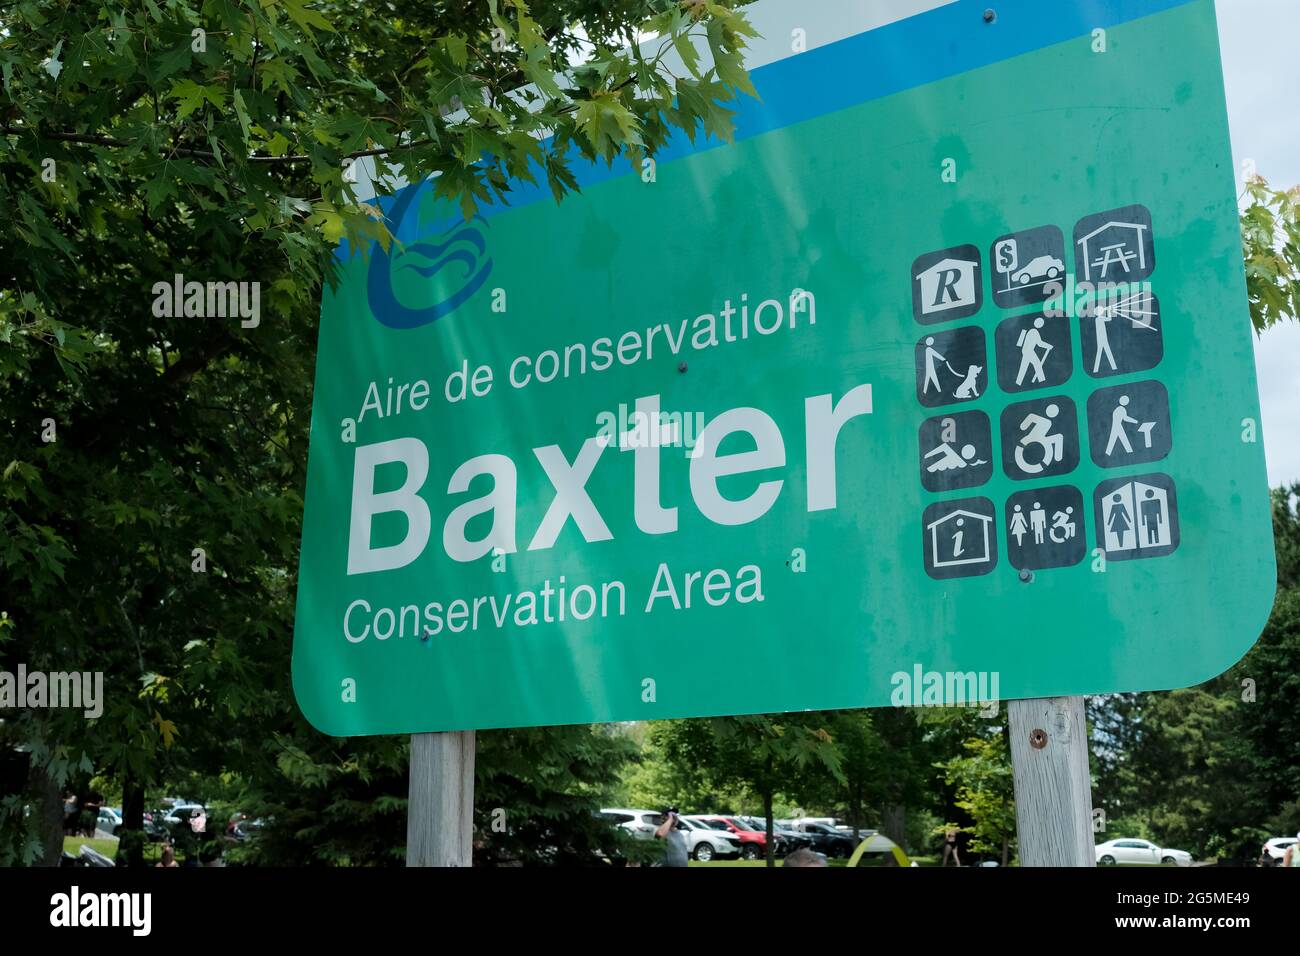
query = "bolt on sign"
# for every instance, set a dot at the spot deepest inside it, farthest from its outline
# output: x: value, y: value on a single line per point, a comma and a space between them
x: 944, y: 361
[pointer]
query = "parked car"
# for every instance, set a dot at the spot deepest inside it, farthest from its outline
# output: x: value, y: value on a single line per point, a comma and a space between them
x: 1272, y: 852
x: 753, y: 844
x: 154, y: 829
x: 705, y: 843
x: 833, y: 822
x: 182, y: 812
x: 640, y: 823
x: 791, y: 839
x: 827, y: 839
x: 1140, y: 852
x: 109, y: 820
x: 1042, y: 267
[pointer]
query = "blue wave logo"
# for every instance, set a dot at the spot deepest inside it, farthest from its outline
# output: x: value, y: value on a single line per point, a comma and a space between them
x: 453, y: 264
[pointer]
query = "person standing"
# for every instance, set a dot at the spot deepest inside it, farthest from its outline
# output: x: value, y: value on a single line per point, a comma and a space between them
x: 931, y: 373
x: 950, y: 847
x: 1101, y: 318
x: 674, y: 839
x: 1292, y: 857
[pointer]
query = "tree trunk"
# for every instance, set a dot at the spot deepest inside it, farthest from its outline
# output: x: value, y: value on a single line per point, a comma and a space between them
x: 49, y: 816
x: 131, y: 838
x: 855, y: 805
x: 894, y: 824
x: 767, y: 813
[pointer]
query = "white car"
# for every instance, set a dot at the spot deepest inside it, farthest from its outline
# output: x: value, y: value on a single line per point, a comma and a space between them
x: 640, y: 823
x: 1274, y: 850
x: 705, y: 843
x: 109, y: 820
x: 1132, y: 851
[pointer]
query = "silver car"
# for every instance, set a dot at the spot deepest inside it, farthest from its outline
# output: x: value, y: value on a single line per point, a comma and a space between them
x: 640, y: 823
x: 1140, y: 852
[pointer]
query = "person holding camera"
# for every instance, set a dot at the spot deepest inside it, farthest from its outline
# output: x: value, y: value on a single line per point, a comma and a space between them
x: 675, y: 840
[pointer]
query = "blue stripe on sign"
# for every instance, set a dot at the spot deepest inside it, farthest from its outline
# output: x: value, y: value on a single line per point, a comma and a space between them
x: 931, y: 46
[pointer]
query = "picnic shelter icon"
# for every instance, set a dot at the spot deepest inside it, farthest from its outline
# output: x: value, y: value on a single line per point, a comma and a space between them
x: 1114, y: 246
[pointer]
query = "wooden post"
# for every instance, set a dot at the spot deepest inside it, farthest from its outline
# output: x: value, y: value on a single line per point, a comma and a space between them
x: 440, y: 812
x: 1049, y: 763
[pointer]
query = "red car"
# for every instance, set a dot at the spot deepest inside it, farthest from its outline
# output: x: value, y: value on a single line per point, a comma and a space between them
x: 753, y: 843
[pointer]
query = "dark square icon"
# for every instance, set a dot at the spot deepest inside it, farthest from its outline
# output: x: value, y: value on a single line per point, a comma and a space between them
x: 1129, y: 424
x: 1120, y: 332
x: 1045, y: 528
x: 960, y: 538
x: 1115, y: 246
x: 1033, y: 351
x: 956, y: 451
x: 1028, y: 267
x: 951, y: 366
x: 1040, y: 438
x: 1137, y: 517
x: 948, y: 284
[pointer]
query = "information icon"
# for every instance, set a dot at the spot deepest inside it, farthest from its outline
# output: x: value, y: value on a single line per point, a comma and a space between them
x: 960, y: 538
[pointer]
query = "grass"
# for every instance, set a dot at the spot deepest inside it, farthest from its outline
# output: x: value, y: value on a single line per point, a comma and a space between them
x: 108, y: 847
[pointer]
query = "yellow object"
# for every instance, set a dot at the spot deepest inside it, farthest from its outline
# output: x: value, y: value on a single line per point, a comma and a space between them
x: 883, y: 844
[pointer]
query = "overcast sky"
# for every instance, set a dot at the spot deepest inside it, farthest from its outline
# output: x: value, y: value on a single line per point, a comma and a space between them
x: 1259, y: 65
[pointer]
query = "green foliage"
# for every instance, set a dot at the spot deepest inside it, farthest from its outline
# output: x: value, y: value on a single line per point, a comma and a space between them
x: 762, y: 754
x: 1270, y: 235
x: 984, y: 790
x: 1212, y: 769
x: 537, y: 790
x: 211, y: 138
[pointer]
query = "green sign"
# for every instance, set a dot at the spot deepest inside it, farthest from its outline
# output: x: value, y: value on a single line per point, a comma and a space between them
x: 944, y: 368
